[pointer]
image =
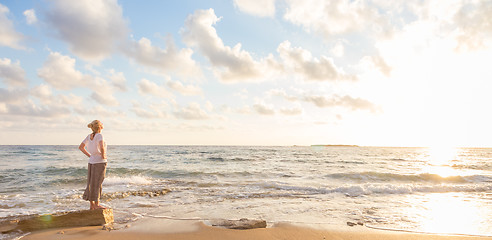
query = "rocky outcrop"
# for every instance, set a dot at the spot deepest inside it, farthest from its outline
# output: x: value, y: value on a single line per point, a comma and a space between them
x: 141, y: 193
x: 243, y: 223
x: 71, y: 219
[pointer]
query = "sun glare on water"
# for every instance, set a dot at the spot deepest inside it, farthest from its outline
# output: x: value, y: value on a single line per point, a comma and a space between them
x: 451, y: 213
x: 440, y: 161
x: 447, y: 212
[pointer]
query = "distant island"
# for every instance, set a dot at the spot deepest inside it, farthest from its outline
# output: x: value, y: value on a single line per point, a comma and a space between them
x: 334, y: 145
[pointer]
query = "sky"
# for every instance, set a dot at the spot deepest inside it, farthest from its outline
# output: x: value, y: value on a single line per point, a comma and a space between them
x: 244, y: 72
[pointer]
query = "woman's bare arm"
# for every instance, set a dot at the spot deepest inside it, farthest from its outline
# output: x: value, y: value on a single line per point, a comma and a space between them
x: 82, y: 148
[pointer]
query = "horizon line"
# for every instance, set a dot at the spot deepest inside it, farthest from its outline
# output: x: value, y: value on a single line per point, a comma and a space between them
x: 246, y: 145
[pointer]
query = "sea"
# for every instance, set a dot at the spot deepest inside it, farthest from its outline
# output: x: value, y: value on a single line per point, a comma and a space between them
x: 431, y: 190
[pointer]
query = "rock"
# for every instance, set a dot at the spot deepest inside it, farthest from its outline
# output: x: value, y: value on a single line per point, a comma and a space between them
x: 360, y: 223
x: 243, y: 223
x: 351, y: 224
x: 141, y: 193
x: 70, y: 219
x: 108, y: 227
x: 8, y: 226
x: 61, y: 232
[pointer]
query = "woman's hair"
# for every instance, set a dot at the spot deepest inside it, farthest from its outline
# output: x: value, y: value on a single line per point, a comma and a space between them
x: 95, y: 125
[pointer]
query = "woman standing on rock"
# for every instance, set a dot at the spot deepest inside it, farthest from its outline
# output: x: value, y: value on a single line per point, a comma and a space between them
x: 94, y: 147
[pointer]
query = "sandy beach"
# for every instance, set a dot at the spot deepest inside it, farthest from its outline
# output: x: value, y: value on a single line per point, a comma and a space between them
x: 189, y: 230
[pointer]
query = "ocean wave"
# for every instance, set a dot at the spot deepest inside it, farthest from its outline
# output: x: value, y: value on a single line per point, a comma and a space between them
x: 231, y: 159
x: 370, y: 189
x: 355, y: 191
x: 179, y: 173
x: 422, y: 177
x: 17, y: 205
x: 130, y: 180
x: 481, y: 166
x: 70, y: 171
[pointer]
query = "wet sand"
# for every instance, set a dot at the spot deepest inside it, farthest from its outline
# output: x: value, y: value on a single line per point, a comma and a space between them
x: 195, y: 230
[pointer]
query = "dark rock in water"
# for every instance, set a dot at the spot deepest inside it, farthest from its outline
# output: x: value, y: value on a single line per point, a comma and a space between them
x: 243, y: 223
x: 71, y: 219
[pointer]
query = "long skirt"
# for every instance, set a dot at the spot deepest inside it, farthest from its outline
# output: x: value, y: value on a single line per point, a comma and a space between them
x: 95, y: 178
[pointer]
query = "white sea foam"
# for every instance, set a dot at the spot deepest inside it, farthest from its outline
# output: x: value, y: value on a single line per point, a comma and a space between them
x: 371, y: 188
x: 130, y: 180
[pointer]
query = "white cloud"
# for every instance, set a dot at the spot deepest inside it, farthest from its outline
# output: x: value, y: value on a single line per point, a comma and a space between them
x: 168, y: 60
x: 102, y: 91
x: 144, y: 113
x: 106, y: 99
x: 8, y: 36
x: 27, y: 108
x: 282, y: 93
x: 188, y: 90
x: 241, y: 110
x: 301, y: 62
x: 209, y: 106
x: 338, y: 50
x: 474, y: 25
x: 92, y: 29
x: 98, y: 112
x: 43, y: 92
x: 263, y: 108
x: 230, y: 64
x: 378, y: 63
x: 323, y: 101
x: 337, y: 17
x: 30, y: 16
x: 342, y: 101
x: 148, y: 87
x: 467, y: 22
x: 59, y: 71
x: 155, y: 111
x: 12, y: 73
x: 191, y: 112
x: 243, y: 94
x: 297, y: 110
x: 46, y: 96
x: 12, y: 95
x: 3, y: 109
x: 70, y: 99
x: 118, y: 80
x: 264, y: 8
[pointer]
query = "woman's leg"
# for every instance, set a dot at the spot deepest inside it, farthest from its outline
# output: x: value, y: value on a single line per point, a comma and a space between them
x: 87, y: 191
x: 96, y: 184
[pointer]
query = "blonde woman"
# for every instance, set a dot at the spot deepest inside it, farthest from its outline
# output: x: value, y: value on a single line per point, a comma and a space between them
x: 94, y: 147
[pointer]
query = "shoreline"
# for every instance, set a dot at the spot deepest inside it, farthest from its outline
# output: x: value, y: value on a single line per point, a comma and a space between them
x: 150, y: 228
x: 197, y: 230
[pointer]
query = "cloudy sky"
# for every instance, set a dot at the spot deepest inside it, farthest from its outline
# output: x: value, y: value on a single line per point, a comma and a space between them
x: 245, y: 72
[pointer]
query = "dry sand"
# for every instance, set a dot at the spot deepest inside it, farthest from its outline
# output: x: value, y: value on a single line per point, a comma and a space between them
x: 193, y: 230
